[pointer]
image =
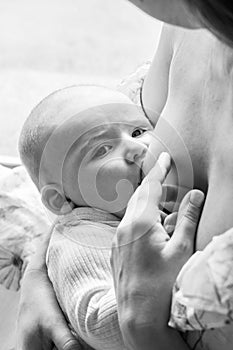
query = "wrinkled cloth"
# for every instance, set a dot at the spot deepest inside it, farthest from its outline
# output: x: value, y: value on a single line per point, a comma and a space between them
x: 203, y: 292
x: 132, y: 84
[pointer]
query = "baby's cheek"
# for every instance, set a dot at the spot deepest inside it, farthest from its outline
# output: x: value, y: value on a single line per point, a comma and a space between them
x: 114, y: 188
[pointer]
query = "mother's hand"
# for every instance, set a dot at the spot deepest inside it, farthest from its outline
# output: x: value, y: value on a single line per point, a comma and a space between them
x: 41, y: 323
x: 145, y: 262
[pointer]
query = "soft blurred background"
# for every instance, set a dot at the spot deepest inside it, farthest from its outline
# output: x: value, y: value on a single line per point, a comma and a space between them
x: 49, y: 44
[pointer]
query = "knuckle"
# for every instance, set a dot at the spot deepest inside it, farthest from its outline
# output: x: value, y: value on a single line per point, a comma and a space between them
x: 52, y: 323
x: 128, y: 234
x: 141, y: 223
x: 69, y: 344
x: 192, y: 213
x: 183, y: 246
x: 125, y: 234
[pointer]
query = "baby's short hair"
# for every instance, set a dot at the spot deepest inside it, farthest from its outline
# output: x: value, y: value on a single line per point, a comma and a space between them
x: 34, y: 135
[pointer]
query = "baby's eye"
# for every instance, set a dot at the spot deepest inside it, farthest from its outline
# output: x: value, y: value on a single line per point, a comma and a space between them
x: 138, y: 132
x: 102, y: 150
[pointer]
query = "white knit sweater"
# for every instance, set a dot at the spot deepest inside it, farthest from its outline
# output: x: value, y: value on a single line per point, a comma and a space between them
x: 78, y: 261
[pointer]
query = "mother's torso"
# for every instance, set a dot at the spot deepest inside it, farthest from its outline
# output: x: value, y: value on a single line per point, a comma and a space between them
x: 196, y: 119
x: 195, y: 105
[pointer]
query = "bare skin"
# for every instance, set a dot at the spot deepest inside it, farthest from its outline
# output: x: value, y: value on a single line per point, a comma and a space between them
x: 145, y: 262
x: 194, y: 124
x: 201, y: 116
x: 51, y: 328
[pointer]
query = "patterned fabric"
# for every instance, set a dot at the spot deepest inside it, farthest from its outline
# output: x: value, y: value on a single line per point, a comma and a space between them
x: 203, y: 296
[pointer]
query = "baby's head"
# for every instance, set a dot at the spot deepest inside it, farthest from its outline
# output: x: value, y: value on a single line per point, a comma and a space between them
x: 84, y: 146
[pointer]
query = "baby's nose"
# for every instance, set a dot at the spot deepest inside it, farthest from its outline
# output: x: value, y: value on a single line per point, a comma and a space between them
x: 135, y: 151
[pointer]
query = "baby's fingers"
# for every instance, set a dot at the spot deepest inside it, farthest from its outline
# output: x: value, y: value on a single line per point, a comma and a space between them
x: 170, y: 223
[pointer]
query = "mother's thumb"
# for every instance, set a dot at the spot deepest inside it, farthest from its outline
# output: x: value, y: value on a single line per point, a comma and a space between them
x: 188, y: 218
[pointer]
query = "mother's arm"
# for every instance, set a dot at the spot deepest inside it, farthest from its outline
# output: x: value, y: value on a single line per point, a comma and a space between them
x: 145, y: 263
x: 40, y: 321
x: 156, y: 83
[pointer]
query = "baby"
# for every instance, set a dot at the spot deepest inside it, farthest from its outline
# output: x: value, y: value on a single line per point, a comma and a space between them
x: 84, y: 148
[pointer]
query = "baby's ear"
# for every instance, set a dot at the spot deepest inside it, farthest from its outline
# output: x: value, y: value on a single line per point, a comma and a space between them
x: 54, y: 200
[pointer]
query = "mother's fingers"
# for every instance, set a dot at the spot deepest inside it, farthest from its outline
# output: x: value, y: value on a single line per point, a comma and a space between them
x: 182, y: 241
x: 160, y: 170
x: 170, y: 222
x: 191, y: 207
x: 151, y: 188
x: 143, y: 207
x: 150, y: 192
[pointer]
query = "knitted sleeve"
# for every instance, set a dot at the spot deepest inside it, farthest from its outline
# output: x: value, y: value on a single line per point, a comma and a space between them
x: 78, y: 261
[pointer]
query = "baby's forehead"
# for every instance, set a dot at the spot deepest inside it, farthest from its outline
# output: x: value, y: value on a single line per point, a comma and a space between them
x: 92, y: 120
x: 105, y: 120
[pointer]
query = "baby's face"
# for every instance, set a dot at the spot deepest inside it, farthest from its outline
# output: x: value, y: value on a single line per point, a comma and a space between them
x: 104, y: 164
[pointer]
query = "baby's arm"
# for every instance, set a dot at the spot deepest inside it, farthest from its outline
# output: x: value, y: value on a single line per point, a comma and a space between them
x: 40, y: 322
x: 156, y: 83
x: 81, y: 276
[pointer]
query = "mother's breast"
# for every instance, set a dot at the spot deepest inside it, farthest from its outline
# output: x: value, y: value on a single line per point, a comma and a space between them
x: 182, y: 133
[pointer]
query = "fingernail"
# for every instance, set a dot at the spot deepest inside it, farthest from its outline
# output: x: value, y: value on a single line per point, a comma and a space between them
x: 197, y: 198
x: 169, y: 228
